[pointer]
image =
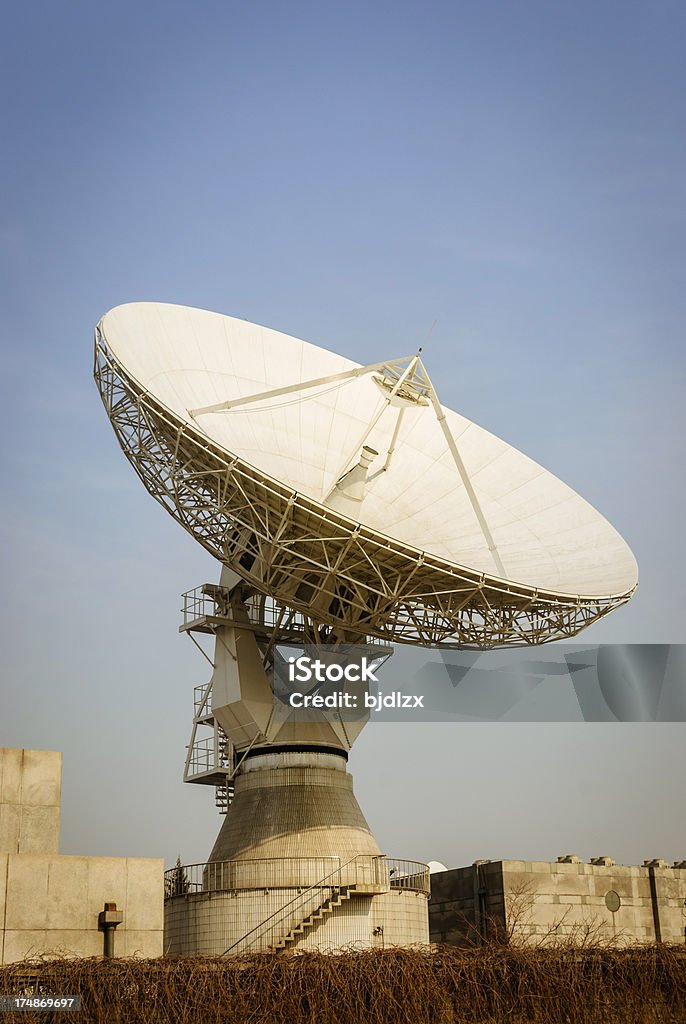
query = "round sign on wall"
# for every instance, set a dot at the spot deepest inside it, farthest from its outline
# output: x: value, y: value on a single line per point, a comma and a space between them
x: 612, y: 901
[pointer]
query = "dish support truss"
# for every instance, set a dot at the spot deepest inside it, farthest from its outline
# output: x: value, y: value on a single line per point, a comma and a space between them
x: 346, y: 580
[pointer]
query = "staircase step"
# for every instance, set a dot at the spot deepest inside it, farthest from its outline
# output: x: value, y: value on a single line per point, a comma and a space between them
x: 339, y: 894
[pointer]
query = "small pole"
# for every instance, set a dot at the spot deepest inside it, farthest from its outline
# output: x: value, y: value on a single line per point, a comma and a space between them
x: 108, y: 919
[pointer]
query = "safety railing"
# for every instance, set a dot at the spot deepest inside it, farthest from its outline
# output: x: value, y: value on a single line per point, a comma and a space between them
x: 297, y: 873
x: 211, y: 602
x: 204, y: 756
x: 409, y: 874
x: 202, y: 699
x: 232, y: 875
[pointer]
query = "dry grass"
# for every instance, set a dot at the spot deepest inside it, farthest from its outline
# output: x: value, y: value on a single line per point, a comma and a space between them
x: 491, y: 985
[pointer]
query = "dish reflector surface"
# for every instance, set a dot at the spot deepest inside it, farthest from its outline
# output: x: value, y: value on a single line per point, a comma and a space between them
x: 178, y: 361
x: 547, y: 535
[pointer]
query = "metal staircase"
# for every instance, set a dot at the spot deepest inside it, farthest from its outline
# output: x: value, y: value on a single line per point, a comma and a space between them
x: 308, y: 908
x: 339, y: 894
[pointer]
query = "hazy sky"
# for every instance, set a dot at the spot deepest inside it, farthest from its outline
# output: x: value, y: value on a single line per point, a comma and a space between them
x: 346, y: 173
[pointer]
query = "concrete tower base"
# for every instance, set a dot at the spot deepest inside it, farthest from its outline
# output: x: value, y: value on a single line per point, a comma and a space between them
x: 295, y: 867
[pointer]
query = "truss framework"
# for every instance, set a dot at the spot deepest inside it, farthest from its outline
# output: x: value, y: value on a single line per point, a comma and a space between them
x: 347, y: 580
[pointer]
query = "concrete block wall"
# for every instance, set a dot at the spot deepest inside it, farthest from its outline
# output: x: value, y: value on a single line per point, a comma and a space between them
x: 467, y: 903
x: 556, y: 899
x: 49, y: 903
x: 30, y: 792
x: 543, y: 902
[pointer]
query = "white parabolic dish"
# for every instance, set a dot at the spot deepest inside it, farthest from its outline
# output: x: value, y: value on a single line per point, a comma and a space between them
x: 503, y: 527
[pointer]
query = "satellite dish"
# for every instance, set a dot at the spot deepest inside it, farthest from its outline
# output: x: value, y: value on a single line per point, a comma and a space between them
x: 348, y: 492
x: 435, y: 867
x: 347, y: 507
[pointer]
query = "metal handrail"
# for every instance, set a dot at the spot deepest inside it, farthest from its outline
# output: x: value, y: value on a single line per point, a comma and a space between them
x: 286, y: 872
x: 264, y: 613
x: 285, y: 907
x: 259, y: 873
x: 411, y: 875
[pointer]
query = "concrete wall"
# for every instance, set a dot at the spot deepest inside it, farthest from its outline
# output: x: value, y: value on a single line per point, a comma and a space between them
x: 50, y: 904
x: 542, y: 902
x: 294, y: 805
x: 209, y: 923
x: 467, y: 903
x: 30, y: 789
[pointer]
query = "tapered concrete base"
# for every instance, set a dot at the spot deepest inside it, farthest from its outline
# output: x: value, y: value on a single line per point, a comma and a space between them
x: 294, y: 804
x: 296, y: 867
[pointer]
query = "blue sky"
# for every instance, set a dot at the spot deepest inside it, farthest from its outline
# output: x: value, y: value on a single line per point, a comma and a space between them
x: 346, y: 173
